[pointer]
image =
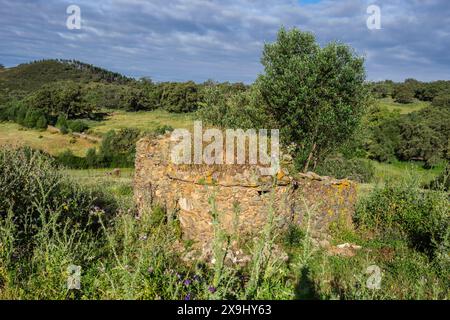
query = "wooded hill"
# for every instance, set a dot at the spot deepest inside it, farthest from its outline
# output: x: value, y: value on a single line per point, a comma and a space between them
x: 25, y: 78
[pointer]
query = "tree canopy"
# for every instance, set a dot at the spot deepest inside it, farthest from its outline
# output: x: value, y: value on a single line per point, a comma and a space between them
x: 316, y: 94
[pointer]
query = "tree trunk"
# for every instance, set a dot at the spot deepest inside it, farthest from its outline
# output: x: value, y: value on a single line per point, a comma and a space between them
x: 310, y: 156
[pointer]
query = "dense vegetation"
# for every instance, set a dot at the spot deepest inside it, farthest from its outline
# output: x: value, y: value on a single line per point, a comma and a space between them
x: 331, y: 121
x: 117, y: 150
x: 418, y: 136
x: 125, y: 257
x: 315, y: 95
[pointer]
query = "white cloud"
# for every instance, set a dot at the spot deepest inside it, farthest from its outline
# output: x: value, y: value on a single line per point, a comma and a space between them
x: 223, y: 39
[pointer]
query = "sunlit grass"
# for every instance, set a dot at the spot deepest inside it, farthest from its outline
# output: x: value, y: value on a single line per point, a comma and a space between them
x: 120, y: 187
x: 402, y: 108
x: 52, y: 143
x: 142, y: 120
x: 399, y: 170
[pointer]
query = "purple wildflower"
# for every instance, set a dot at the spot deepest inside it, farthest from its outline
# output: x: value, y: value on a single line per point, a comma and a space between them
x: 187, y: 282
x: 212, y: 289
x: 188, y: 297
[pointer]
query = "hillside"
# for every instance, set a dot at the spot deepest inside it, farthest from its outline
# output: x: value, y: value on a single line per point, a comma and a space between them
x: 29, y: 77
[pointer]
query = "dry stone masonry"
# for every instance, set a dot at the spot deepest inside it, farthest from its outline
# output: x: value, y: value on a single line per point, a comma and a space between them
x: 238, y: 194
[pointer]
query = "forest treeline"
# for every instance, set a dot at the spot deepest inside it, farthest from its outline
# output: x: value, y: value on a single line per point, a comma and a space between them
x: 338, y: 122
x: 50, y: 88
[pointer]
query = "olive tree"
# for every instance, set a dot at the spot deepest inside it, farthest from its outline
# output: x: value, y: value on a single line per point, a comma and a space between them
x: 316, y: 94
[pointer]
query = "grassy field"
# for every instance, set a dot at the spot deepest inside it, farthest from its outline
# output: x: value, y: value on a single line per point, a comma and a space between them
x: 143, y: 120
x: 121, y: 187
x: 130, y: 257
x: 53, y: 143
x: 398, y: 170
x: 402, y: 108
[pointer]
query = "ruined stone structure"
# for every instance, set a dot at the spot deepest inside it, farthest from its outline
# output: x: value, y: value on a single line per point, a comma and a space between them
x: 239, y: 195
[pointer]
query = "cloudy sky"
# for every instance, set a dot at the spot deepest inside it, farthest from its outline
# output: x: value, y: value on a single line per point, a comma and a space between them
x: 222, y: 39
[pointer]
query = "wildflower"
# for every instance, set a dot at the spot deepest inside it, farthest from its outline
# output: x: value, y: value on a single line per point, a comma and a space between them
x: 150, y: 270
x: 196, y: 278
x: 187, y: 282
x: 188, y: 297
x: 143, y: 237
x: 212, y: 289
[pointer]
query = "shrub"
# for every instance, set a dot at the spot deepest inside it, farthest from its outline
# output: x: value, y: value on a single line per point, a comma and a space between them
x: 41, y: 122
x: 403, y: 209
x: 360, y: 170
x: 35, y: 119
x: 77, y: 125
x: 293, y: 236
x: 442, y: 182
x: 64, y: 130
x: 163, y: 129
x: 61, y: 121
x: 33, y: 189
x: 116, y: 151
x: 442, y: 101
x: 91, y: 158
x: 20, y: 114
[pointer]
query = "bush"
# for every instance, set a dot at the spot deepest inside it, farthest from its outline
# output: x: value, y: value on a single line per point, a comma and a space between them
x: 442, y: 101
x: 64, y: 130
x: 69, y: 160
x: 402, y: 209
x: 35, y: 119
x: 28, y: 117
x: 161, y: 130
x: 442, y: 182
x: 360, y: 170
x: 61, y: 122
x: 33, y: 189
x: 118, y: 148
x: 41, y: 122
x: 116, y: 151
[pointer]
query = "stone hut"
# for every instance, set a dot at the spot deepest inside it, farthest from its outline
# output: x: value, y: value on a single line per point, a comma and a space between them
x: 238, y: 194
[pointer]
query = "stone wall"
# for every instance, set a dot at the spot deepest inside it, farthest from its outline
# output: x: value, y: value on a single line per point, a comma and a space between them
x: 241, y: 197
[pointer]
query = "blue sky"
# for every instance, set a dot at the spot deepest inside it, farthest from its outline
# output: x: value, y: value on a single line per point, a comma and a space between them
x: 222, y: 39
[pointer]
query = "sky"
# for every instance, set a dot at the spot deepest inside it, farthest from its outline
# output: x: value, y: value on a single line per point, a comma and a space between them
x: 179, y: 40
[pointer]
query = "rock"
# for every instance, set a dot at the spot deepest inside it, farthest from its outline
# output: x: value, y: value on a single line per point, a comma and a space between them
x: 348, y: 245
x: 192, y: 191
x: 345, y: 249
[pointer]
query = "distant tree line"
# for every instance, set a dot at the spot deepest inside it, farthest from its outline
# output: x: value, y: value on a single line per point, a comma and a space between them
x: 405, y: 92
x: 418, y: 136
x: 73, y: 99
x: 316, y: 95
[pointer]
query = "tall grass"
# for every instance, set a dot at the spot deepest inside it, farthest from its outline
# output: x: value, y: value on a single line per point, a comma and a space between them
x: 125, y: 256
